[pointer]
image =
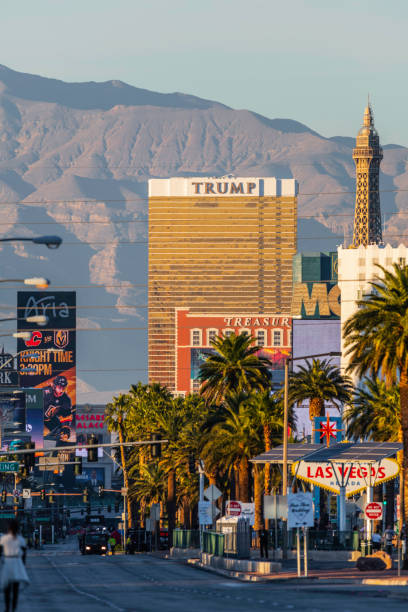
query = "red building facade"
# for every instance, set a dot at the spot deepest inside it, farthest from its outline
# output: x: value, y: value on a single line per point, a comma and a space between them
x: 194, y: 332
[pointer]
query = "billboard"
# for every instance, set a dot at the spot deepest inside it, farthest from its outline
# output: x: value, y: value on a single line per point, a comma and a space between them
x: 12, y: 417
x: 35, y: 416
x: 314, y: 337
x: 47, y: 360
x: 316, y: 294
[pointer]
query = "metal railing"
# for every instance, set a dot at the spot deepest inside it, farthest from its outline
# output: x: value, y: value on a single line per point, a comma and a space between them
x: 186, y: 538
x: 213, y: 543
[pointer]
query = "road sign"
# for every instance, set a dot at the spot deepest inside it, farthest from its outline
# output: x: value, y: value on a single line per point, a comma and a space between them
x: 300, y: 510
x: 26, y: 493
x: 233, y: 508
x: 373, y: 511
x: 49, y: 464
x: 9, y: 466
x: 275, y: 506
x: 16, y: 493
x: 212, y: 493
x: 205, y: 513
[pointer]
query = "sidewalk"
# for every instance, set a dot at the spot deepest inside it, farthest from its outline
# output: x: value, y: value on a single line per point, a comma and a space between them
x: 322, y: 574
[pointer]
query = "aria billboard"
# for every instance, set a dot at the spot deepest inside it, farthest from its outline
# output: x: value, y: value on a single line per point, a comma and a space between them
x: 47, y: 360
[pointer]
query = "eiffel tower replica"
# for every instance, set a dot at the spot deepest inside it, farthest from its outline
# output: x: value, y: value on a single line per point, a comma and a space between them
x: 367, y: 156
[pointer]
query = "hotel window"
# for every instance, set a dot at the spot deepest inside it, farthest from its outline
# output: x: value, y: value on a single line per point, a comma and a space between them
x: 401, y: 261
x: 261, y: 337
x: 195, y: 386
x: 228, y: 332
x: 196, y: 337
x: 211, y: 335
x: 277, y: 337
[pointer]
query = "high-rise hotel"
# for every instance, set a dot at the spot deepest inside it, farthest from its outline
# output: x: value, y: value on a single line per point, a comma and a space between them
x: 219, y: 246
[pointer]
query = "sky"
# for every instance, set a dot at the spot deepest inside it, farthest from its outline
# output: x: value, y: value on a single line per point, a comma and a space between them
x: 310, y: 60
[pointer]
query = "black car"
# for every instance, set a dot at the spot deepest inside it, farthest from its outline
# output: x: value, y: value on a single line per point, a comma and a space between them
x: 93, y: 544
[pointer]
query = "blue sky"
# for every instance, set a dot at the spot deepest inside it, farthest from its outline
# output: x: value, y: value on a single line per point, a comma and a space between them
x: 309, y: 60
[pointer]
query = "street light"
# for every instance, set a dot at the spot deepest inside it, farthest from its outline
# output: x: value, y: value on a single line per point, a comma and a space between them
x: 39, y: 319
x: 38, y: 281
x: 22, y: 335
x: 51, y: 242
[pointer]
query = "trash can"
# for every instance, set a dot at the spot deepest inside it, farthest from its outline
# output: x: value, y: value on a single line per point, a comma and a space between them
x: 355, y: 540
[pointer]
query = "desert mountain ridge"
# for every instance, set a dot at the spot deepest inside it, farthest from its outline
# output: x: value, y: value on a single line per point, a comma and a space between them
x: 75, y: 159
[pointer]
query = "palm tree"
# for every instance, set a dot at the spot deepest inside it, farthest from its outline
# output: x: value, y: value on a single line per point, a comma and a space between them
x: 268, y: 410
x: 117, y: 414
x: 234, y: 368
x: 376, y: 337
x: 319, y: 381
x: 149, y: 486
x: 374, y: 413
x: 235, y: 440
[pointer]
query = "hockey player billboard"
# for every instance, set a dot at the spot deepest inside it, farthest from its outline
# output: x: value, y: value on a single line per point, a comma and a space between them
x: 48, y: 359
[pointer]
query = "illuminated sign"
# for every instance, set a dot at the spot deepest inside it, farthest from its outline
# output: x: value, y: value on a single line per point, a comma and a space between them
x: 356, y: 476
x: 316, y: 300
x: 53, y: 365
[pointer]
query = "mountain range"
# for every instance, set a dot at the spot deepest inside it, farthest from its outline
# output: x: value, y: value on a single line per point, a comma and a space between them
x: 75, y: 159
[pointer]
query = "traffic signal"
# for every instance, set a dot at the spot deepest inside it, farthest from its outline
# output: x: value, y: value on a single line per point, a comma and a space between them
x: 78, y: 466
x: 42, y: 494
x: 109, y: 509
x: 24, y: 472
x: 29, y: 458
x: 100, y: 491
x: 3, y: 496
x: 82, y: 513
x: 51, y: 496
x: 92, y: 452
x: 85, y: 497
x: 16, y: 500
x: 191, y: 464
x: 155, y: 449
x: 68, y: 513
x: 117, y: 507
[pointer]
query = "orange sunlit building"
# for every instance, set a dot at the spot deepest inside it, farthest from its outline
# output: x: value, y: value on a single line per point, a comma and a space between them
x: 217, y: 247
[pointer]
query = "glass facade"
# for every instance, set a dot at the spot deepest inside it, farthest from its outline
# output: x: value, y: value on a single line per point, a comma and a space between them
x: 215, y: 253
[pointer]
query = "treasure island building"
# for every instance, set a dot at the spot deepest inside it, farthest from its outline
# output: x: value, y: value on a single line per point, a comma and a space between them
x: 216, y: 245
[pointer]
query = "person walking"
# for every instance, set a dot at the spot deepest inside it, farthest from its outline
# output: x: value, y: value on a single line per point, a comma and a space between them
x: 13, y: 548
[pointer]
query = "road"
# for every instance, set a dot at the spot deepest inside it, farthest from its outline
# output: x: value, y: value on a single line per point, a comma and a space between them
x: 66, y: 581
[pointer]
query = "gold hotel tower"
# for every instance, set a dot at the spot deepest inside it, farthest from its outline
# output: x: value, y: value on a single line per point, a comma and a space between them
x: 216, y: 245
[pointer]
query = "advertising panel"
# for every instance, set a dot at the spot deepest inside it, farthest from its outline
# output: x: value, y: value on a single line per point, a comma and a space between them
x: 316, y: 294
x: 13, y: 419
x: 35, y: 416
x: 314, y: 338
x: 8, y: 372
x: 48, y: 359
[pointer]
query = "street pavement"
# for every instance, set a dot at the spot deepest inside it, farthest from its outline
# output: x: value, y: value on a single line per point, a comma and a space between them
x: 64, y: 580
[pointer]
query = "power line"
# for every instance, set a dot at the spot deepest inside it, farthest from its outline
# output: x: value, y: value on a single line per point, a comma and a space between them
x: 199, y: 197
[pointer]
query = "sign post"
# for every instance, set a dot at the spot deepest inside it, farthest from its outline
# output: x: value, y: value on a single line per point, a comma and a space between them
x: 300, y: 514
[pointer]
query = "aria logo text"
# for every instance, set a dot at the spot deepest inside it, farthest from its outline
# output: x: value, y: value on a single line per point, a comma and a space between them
x: 46, y: 306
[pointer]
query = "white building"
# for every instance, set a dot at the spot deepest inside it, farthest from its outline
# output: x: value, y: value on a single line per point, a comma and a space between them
x: 356, y: 268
